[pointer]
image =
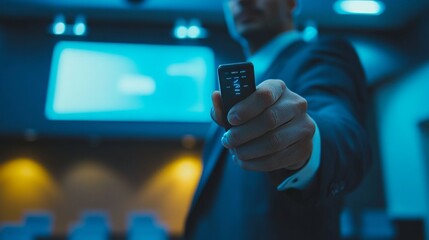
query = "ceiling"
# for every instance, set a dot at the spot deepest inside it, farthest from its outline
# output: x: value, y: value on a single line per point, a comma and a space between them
x: 397, y: 14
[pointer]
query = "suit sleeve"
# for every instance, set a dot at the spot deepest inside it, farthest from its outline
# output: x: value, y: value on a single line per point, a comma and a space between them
x: 332, y: 81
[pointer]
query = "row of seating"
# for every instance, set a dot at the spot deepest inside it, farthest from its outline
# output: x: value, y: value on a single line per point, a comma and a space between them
x: 93, y: 225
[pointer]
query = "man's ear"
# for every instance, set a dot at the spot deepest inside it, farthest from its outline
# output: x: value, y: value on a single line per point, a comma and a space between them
x: 291, y: 4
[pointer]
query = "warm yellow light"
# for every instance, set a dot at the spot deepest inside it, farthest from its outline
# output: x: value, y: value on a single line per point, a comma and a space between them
x: 187, y: 169
x: 171, y: 191
x: 22, y: 169
x: 24, y: 184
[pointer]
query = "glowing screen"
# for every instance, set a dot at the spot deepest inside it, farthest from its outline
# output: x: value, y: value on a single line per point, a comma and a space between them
x: 92, y: 81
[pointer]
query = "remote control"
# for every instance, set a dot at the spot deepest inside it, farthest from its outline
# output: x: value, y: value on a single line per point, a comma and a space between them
x: 236, y: 82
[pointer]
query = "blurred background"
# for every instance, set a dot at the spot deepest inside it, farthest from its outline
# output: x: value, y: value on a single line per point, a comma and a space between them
x: 104, y: 105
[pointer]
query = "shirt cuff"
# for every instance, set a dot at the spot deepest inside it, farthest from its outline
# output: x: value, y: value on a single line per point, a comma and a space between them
x: 302, y: 178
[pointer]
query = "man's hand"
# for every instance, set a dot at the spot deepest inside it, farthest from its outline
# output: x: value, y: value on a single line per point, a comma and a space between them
x: 271, y: 128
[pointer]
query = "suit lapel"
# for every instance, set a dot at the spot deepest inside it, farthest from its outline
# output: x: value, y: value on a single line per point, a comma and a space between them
x: 211, y: 156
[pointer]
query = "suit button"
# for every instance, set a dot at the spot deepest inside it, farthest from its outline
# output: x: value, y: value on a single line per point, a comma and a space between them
x: 334, y: 192
x: 336, y: 188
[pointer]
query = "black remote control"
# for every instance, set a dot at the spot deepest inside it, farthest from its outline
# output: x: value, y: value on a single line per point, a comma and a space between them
x: 236, y: 82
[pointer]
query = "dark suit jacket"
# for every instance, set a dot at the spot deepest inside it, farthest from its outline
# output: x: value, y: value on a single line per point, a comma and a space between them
x: 328, y: 74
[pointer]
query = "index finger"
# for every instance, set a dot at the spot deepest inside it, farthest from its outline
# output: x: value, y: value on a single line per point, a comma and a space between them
x: 266, y: 94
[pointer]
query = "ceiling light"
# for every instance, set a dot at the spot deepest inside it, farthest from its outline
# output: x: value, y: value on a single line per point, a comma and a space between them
x: 195, y: 30
x: 59, y: 25
x: 192, y: 30
x: 366, y: 7
x: 180, y: 29
x: 79, y: 27
x: 181, y: 32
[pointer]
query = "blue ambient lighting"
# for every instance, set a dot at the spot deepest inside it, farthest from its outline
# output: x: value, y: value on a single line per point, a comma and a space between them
x: 366, y: 7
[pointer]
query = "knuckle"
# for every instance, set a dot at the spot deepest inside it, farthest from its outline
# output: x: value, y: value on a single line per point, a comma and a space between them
x: 283, y: 85
x: 271, y: 118
x: 308, y: 130
x: 302, y: 104
x: 266, y: 96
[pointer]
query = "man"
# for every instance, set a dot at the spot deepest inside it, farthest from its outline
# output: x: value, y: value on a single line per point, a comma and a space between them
x: 297, y: 144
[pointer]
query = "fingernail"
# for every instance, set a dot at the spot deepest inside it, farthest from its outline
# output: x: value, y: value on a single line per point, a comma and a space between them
x: 225, y: 139
x: 233, y: 118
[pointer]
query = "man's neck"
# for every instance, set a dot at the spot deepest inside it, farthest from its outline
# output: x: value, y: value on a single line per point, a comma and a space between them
x: 257, y: 41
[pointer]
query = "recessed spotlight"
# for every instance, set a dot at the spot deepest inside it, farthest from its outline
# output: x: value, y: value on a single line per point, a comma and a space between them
x: 192, y: 30
x: 180, y: 29
x: 59, y: 26
x: 79, y: 27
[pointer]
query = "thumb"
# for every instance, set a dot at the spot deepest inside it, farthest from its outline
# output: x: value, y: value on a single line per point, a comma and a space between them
x: 217, y: 111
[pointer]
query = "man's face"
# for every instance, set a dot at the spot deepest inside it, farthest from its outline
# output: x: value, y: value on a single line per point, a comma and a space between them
x: 252, y: 18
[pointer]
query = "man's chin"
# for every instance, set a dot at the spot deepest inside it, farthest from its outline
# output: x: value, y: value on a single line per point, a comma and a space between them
x: 254, y: 34
x: 249, y: 31
x: 249, y: 27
